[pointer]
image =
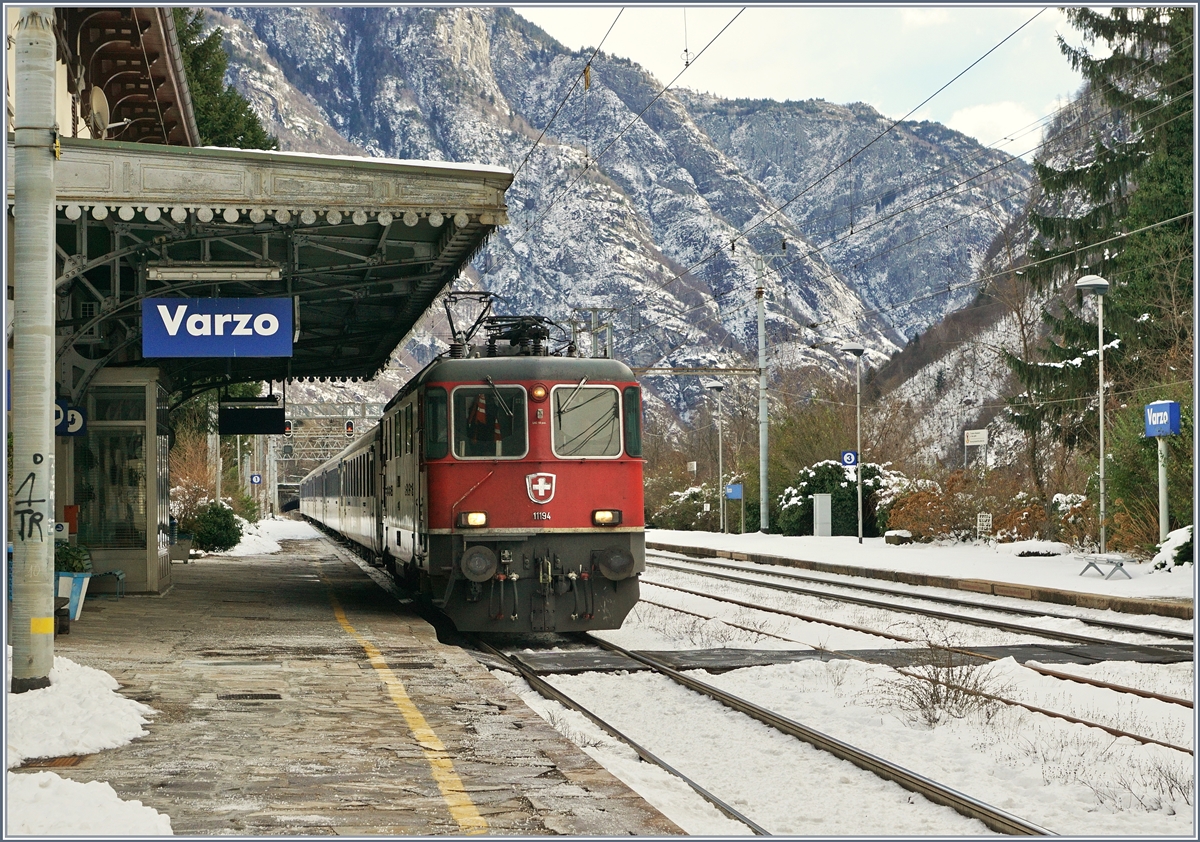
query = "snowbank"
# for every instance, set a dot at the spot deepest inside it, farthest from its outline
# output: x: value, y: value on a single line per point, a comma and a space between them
x: 263, y: 538
x: 79, y: 713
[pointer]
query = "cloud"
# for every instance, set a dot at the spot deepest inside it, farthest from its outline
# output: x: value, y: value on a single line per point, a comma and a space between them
x: 1010, y: 126
x: 922, y: 18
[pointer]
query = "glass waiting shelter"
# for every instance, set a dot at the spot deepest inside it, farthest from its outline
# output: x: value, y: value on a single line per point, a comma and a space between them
x: 120, y: 489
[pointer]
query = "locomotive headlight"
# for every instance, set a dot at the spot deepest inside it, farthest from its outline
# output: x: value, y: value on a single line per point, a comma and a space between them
x: 472, y: 518
x: 538, y: 392
x: 606, y: 517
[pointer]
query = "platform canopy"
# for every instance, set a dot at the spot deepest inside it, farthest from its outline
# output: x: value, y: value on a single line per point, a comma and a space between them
x: 361, y: 245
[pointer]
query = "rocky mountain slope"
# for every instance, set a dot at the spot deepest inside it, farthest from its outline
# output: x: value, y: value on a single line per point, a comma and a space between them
x: 637, y: 204
x: 955, y: 378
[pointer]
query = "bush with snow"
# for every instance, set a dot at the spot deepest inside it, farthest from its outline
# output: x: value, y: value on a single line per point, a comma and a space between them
x: 879, y: 487
x: 685, y: 510
x: 1176, y: 551
x: 215, y: 529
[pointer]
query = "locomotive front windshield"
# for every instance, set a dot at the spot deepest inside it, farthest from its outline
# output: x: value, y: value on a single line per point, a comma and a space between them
x: 489, y: 422
x: 586, y: 421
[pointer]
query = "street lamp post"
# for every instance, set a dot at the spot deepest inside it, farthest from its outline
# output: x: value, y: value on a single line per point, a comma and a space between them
x: 857, y: 350
x: 1097, y: 285
x: 717, y: 387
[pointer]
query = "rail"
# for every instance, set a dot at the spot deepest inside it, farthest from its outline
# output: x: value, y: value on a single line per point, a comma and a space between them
x: 993, y: 817
x: 550, y: 692
x: 1052, y: 634
x: 944, y: 600
x: 1065, y: 676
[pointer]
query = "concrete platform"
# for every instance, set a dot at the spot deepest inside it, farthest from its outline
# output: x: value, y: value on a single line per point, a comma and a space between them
x: 297, y: 697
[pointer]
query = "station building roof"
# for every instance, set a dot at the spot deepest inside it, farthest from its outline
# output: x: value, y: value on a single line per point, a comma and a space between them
x: 361, y: 245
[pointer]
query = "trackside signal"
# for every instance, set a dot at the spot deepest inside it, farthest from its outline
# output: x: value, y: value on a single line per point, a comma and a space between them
x: 349, y: 429
x: 287, y: 426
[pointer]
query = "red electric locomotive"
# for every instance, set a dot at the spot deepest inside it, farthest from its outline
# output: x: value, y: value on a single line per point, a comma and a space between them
x: 507, y: 488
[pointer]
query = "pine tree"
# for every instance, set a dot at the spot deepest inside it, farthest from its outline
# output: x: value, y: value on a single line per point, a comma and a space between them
x: 1134, y: 185
x: 223, y: 116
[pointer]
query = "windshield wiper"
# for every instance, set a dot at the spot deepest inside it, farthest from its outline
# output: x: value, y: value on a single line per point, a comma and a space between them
x: 499, y: 397
x: 563, y: 407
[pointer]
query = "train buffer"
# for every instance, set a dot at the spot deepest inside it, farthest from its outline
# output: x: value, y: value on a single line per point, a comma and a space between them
x: 1114, y: 564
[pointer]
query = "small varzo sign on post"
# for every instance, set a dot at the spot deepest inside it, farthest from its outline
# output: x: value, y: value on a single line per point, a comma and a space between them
x: 1162, y: 420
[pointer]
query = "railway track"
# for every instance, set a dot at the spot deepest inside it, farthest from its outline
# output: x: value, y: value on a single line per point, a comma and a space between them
x: 1116, y: 732
x: 943, y: 600
x: 1002, y: 625
x: 549, y: 691
x: 994, y: 818
x: 974, y: 653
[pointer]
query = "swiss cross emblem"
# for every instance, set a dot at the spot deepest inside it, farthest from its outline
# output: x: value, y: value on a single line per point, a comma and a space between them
x: 540, y: 487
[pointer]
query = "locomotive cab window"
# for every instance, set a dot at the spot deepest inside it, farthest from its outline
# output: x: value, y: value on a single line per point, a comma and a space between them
x: 586, y: 421
x: 633, y: 421
x: 489, y: 422
x: 436, y: 441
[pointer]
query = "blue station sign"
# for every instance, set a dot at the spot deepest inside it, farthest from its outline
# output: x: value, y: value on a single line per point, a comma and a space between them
x: 733, y: 491
x: 216, y: 327
x: 69, y: 420
x: 1162, y: 419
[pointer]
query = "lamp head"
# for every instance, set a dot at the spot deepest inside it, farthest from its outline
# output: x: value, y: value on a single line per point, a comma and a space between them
x: 1092, y: 283
x: 854, y: 348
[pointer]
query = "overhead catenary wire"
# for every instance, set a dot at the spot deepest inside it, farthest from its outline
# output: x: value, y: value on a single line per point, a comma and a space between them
x: 1006, y: 272
x: 1044, y: 143
x: 972, y: 283
x: 817, y: 250
x: 588, y: 165
x: 567, y: 96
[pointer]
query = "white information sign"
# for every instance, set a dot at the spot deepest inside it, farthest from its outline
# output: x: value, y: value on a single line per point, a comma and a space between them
x: 976, y: 438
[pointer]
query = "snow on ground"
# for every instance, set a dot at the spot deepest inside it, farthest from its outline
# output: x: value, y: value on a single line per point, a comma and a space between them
x: 996, y: 562
x: 1072, y: 779
x: 263, y: 537
x: 79, y: 713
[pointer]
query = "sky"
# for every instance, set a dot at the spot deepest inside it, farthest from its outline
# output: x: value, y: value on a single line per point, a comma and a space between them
x: 892, y: 58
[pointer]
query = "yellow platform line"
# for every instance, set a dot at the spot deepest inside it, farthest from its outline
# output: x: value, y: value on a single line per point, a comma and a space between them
x: 462, y: 809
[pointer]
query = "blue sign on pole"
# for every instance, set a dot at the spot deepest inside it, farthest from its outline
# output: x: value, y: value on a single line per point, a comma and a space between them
x: 256, y: 479
x: 69, y: 420
x: 849, y: 458
x: 216, y: 327
x: 733, y: 491
x: 1162, y: 419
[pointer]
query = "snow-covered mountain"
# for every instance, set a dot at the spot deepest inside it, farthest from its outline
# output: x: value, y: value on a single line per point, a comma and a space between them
x: 637, y: 201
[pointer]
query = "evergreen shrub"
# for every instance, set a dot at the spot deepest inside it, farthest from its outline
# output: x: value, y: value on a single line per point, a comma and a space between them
x: 831, y: 477
x: 215, y: 529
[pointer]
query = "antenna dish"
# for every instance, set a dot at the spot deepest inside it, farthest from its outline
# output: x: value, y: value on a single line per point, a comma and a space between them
x: 98, y: 120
